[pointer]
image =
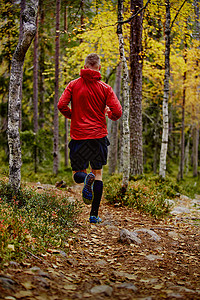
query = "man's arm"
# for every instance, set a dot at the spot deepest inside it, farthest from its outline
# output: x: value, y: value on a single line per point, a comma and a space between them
x: 113, y: 109
x: 64, y: 102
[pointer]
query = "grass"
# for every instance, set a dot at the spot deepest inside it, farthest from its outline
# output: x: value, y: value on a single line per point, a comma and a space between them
x: 32, y: 222
x: 149, y: 193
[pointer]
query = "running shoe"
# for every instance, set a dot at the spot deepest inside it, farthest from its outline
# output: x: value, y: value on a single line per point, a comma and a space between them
x: 87, y: 192
x: 95, y: 220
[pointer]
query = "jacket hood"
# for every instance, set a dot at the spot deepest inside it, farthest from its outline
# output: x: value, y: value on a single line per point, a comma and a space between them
x: 90, y: 74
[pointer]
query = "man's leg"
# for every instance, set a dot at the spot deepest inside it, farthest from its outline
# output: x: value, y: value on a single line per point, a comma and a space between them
x: 79, y: 176
x: 97, y: 191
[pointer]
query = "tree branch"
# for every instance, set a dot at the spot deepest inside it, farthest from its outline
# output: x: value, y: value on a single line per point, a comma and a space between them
x: 137, y: 13
x: 111, y: 72
x: 177, y: 14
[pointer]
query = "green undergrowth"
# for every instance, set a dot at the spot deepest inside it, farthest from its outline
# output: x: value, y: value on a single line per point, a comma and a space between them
x: 33, y: 222
x: 145, y: 194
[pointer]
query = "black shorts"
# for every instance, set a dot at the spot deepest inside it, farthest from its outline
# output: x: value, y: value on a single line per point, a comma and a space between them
x: 93, y: 151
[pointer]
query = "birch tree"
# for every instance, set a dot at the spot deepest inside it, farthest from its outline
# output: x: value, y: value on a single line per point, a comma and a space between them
x: 113, y: 151
x: 125, y: 92
x: 165, y: 131
x: 29, y: 30
x: 56, y: 122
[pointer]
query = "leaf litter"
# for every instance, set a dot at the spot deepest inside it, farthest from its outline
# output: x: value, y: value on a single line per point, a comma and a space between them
x: 98, y: 265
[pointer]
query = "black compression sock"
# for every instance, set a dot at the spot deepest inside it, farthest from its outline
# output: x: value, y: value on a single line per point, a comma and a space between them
x: 97, y: 190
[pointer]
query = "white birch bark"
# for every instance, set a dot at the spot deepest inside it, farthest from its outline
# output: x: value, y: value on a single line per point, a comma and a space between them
x: 56, y: 121
x: 113, y: 149
x: 125, y: 91
x: 165, y: 131
x: 14, y: 103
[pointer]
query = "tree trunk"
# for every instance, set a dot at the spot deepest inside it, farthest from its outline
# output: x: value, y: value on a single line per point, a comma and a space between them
x: 56, y: 123
x: 66, y: 120
x: 187, y: 155
x: 171, y: 126
x: 196, y: 126
x: 22, y: 5
x: 165, y: 131
x: 195, y: 150
x: 35, y: 82
x: 29, y: 30
x: 35, y: 95
x: 156, y: 143
x: 113, y: 151
x: 183, y: 121
x: 125, y: 91
x: 120, y: 166
x: 41, y: 89
x: 136, y: 147
x: 82, y: 17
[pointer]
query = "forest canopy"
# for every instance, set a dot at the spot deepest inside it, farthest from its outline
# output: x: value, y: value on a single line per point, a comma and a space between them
x: 86, y: 26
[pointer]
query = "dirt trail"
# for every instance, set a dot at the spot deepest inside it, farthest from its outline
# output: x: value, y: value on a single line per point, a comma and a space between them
x: 98, y: 265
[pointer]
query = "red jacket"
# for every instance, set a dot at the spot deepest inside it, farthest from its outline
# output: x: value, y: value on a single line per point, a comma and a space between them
x: 89, y: 96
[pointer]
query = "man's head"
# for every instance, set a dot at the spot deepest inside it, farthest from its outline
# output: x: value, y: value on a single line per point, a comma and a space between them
x: 92, y: 61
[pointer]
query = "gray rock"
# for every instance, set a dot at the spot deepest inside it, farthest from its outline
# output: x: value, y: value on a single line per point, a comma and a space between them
x: 175, y: 295
x: 170, y: 202
x: 7, y: 282
x: 154, y: 235
x: 101, y: 263
x: 180, y: 210
x: 173, y: 234
x: 153, y: 257
x: 123, y: 274
x: 127, y: 285
x: 102, y: 289
x: 185, y: 290
x: 129, y: 237
x: 184, y: 197
x: 39, y: 272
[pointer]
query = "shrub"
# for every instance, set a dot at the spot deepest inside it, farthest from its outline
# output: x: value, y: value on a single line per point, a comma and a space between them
x: 33, y: 222
x: 147, y: 195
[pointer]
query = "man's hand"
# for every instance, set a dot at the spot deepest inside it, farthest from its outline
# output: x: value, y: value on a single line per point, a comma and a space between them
x: 107, y: 110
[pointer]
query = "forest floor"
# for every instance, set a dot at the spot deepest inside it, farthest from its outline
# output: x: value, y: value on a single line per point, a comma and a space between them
x: 163, y: 264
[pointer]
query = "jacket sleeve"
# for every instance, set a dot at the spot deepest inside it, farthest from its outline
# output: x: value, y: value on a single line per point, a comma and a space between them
x: 64, y: 102
x: 115, y: 107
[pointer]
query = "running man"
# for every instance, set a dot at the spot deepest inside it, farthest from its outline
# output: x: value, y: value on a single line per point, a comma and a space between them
x: 91, y: 100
